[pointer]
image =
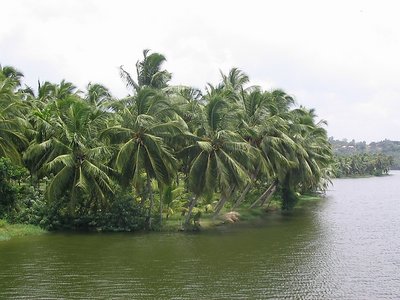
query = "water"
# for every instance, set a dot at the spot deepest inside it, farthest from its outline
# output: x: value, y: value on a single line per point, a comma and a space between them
x: 346, y: 246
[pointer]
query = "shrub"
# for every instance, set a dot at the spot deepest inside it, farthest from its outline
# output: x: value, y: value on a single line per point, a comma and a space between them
x: 10, y: 185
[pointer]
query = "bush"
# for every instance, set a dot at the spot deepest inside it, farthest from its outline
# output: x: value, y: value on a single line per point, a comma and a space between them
x: 123, y: 214
x: 20, y: 202
x: 10, y: 185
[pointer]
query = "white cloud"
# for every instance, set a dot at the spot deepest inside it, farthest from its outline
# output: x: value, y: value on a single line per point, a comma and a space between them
x: 340, y: 57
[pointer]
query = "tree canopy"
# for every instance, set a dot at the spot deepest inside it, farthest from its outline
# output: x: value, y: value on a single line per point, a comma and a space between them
x: 161, y: 149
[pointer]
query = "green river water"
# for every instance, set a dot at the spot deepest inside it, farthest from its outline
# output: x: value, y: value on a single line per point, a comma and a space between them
x: 346, y: 246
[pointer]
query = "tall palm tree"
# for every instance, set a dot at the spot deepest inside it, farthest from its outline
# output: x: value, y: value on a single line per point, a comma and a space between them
x: 188, y: 103
x: 235, y: 80
x: 218, y: 157
x: 145, y: 123
x: 74, y: 155
x: 44, y: 115
x: 12, y: 124
x: 149, y: 72
x: 12, y: 74
x: 265, y: 130
x: 312, y: 156
x: 98, y: 95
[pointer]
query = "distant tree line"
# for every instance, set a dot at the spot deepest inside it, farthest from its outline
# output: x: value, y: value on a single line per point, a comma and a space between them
x: 84, y: 159
x: 364, y: 164
x: 386, y: 147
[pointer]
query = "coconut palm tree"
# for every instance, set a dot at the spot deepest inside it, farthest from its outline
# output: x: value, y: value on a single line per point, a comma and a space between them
x: 12, y: 124
x: 218, y: 157
x: 97, y: 95
x: 188, y: 103
x: 74, y: 155
x: 235, y: 80
x: 265, y: 130
x: 312, y: 156
x: 11, y: 73
x: 145, y: 122
x: 149, y: 72
x: 44, y: 115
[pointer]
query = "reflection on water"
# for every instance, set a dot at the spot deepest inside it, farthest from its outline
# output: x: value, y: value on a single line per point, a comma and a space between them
x: 343, y: 247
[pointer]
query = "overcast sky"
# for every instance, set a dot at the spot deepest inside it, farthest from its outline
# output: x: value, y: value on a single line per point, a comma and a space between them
x: 340, y: 57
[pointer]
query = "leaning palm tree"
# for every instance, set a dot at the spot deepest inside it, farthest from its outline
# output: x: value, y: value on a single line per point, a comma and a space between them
x: 218, y: 157
x: 312, y: 156
x: 266, y: 131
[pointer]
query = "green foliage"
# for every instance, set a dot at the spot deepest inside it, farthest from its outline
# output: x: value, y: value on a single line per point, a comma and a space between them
x: 289, y: 197
x: 365, y: 164
x: 100, y: 163
x: 10, y: 188
x: 385, y: 147
x: 3, y: 223
x: 8, y: 231
x: 123, y: 214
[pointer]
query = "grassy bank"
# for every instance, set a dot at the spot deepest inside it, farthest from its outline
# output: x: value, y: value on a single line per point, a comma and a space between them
x: 254, y: 215
x: 175, y: 222
x: 208, y: 222
x: 246, y: 216
x: 8, y: 231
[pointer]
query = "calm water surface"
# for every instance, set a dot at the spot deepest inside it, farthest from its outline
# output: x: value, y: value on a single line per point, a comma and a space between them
x: 346, y: 246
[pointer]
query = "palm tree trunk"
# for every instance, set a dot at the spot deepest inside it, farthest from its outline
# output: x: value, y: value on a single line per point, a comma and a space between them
x: 192, y: 203
x: 144, y: 195
x: 161, y: 206
x: 269, y: 196
x: 221, y: 202
x: 242, y: 195
x: 270, y: 190
x: 247, y: 188
x: 151, y: 197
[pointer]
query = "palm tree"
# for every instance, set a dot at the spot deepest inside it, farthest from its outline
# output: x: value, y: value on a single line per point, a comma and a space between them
x: 188, y: 103
x: 218, y: 157
x: 266, y: 129
x: 149, y: 72
x: 11, y: 73
x: 235, y: 80
x: 73, y: 154
x: 12, y: 138
x: 44, y: 115
x: 144, y: 124
x: 97, y: 95
x: 312, y: 156
x: 12, y: 124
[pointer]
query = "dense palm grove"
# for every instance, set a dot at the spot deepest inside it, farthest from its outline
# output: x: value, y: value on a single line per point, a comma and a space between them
x: 388, y: 148
x: 363, y: 164
x: 73, y: 159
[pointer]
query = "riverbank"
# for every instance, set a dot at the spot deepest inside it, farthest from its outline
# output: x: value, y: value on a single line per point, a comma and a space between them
x: 207, y: 221
x: 8, y: 231
x: 243, y: 215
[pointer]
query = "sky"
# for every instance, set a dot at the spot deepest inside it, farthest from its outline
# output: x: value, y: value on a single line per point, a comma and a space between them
x: 340, y: 57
